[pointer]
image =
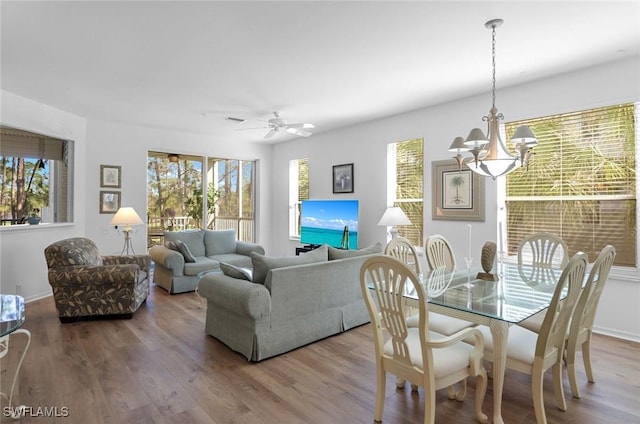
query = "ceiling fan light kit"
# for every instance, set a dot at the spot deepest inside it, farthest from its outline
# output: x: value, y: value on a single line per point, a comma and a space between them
x: 277, y: 124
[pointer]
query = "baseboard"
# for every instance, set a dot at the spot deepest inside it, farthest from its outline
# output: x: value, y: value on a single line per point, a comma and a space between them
x: 37, y: 297
x: 617, y: 334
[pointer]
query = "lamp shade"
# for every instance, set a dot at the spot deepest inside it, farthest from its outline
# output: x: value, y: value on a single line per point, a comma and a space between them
x: 525, y: 136
x: 126, y: 216
x: 394, y: 216
x: 458, y: 145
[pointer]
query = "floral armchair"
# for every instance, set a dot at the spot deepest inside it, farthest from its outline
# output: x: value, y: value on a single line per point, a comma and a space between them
x: 87, y: 284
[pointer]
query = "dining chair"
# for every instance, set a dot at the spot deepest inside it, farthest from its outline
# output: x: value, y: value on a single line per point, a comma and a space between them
x: 402, y: 249
x: 581, y: 326
x: 584, y: 315
x: 439, y: 252
x: 423, y: 357
x: 540, y: 256
x: 534, y: 353
x: 440, y: 257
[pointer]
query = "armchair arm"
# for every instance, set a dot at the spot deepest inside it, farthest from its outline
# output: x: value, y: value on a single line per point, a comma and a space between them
x: 240, y: 296
x: 245, y: 248
x: 94, y: 274
x: 143, y: 261
x: 168, y: 258
x: 468, y: 335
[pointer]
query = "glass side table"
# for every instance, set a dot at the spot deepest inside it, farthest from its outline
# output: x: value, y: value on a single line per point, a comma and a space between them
x: 12, y: 316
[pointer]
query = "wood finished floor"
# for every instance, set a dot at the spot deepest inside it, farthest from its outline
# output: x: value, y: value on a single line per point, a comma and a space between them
x: 160, y: 367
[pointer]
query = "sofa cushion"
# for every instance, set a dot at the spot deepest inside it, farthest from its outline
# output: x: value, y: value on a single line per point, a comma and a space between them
x: 201, y: 264
x: 342, y: 254
x: 235, y: 272
x: 193, y: 239
x: 218, y: 242
x: 262, y: 264
x: 184, y: 249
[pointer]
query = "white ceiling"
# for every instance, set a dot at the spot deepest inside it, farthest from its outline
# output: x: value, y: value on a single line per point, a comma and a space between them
x: 186, y: 65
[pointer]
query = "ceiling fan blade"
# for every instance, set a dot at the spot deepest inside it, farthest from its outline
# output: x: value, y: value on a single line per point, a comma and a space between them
x: 300, y: 125
x: 253, y: 128
x: 270, y: 133
x: 299, y: 132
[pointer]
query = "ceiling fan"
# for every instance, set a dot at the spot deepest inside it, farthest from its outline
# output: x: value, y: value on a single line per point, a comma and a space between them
x: 278, y: 124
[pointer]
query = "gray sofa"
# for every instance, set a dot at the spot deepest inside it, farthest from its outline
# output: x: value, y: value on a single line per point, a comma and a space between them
x: 300, y: 300
x: 175, y: 274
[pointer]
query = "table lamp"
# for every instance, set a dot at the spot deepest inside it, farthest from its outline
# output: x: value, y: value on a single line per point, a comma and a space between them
x: 126, y: 216
x: 393, y: 217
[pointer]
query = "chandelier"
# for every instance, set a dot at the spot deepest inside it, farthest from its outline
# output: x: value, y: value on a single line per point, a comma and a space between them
x: 490, y: 155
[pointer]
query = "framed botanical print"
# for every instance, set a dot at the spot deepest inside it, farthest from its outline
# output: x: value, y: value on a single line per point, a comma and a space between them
x: 458, y: 193
x: 110, y: 176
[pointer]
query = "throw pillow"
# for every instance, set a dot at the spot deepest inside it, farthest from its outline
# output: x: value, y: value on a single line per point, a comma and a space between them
x: 171, y: 245
x: 234, y: 271
x: 342, y: 254
x: 182, y: 248
x: 262, y: 264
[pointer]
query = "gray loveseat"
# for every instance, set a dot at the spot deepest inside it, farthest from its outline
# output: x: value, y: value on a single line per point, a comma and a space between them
x: 294, y: 301
x: 173, y: 273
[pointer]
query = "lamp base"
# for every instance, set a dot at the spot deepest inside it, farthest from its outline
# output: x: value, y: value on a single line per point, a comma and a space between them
x: 487, y: 276
x: 128, y: 245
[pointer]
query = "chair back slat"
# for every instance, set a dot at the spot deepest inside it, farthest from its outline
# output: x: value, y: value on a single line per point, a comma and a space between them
x: 402, y: 249
x: 540, y: 255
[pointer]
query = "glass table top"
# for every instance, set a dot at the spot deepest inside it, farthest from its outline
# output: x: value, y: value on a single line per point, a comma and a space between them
x: 11, y: 313
x: 513, y: 298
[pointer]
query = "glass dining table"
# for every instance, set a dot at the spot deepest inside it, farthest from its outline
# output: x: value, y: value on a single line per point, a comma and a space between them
x: 514, y: 297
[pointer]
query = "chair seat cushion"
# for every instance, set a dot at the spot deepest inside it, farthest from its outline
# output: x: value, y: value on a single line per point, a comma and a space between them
x: 521, y: 343
x: 446, y: 360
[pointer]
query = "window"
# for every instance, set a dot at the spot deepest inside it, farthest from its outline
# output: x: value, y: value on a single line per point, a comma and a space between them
x: 405, y: 180
x: 298, y: 191
x: 581, y: 183
x: 230, y: 197
x: 35, y: 177
x: 175, y: 198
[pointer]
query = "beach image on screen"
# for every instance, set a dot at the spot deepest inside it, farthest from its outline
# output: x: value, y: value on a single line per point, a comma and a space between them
x: 324, y: 221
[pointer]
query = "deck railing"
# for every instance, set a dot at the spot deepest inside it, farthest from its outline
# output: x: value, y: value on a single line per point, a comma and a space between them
x: 156, y: 226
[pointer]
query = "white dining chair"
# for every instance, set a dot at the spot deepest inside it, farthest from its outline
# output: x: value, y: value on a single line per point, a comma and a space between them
x: 540, y: 257
x: 439, y: 252
x: 423, y: 357
x: 534, y: 353
x: 402, y: 249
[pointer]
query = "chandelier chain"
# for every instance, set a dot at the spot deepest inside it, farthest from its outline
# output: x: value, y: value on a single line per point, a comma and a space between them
x: 493, y: 64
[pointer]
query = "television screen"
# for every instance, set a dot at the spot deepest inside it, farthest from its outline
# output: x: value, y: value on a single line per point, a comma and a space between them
x: 330, y: 222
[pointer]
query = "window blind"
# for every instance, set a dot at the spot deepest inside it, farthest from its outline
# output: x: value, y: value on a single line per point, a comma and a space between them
x: 409, y: 178
x: 581, y: 182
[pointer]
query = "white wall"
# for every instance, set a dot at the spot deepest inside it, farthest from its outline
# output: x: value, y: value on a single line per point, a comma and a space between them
x: 365, y: 146
x: 22, y: 249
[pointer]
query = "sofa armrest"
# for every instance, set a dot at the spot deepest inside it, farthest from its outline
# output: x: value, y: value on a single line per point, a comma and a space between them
x: 107, y: 274
x: 240, y: 296
x: 168, y: 258
x: 245, y: 248
x: 143, y: 261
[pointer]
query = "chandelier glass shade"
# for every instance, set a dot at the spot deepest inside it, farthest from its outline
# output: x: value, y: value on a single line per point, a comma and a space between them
x: 491, y: 157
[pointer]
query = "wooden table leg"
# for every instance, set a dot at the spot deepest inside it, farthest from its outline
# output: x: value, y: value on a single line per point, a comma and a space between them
x: 499, y: 333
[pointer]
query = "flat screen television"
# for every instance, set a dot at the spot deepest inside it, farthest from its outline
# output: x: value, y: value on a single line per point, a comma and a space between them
x: 326, y: 221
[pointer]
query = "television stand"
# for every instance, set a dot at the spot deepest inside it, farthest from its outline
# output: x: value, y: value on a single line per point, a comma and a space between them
x: 306, y: 248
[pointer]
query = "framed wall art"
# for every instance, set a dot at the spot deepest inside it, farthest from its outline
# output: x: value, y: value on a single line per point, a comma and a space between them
x: 110, y: 176
x: 343, y: 178
x: 458, y: 194
x: 109, y: 201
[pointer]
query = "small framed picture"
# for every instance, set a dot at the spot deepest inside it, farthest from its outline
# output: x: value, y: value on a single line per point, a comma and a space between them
x: 110, y: 176
x: 343, y: 178
x: 109, y: 201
